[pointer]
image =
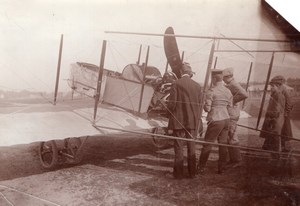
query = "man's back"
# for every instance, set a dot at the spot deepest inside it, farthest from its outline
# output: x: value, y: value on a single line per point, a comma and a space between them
x: 218, y: 98
x: 238, y: 92
x: 184, y: 104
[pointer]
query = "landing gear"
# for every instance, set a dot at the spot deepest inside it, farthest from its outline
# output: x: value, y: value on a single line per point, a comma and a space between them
x: 48, y: 153
x: 71, y: 150
x: 160, y: 142
x: 52, y: 153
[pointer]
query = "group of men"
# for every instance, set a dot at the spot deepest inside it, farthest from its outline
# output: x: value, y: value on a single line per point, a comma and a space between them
x: 221, y: 105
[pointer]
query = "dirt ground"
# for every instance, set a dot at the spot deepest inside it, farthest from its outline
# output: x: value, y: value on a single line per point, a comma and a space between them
x: 129, y: 170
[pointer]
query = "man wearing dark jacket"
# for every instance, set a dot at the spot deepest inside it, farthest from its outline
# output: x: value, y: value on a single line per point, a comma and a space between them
x: 276, y: 128
x: 184, y: 117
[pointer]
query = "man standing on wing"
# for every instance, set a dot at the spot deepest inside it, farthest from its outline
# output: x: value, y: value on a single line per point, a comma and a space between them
x: 184, y: 112
x: 239, y: 94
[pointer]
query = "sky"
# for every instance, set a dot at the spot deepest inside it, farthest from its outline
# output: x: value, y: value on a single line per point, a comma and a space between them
x: 31, y: 30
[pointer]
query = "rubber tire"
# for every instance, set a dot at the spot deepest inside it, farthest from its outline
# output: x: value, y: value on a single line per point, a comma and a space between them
x: 54, y: 154
x: 160, y: 142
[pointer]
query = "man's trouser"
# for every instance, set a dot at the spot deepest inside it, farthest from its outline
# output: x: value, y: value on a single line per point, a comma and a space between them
x: 179, y: 157
x: 234, y: 153
x: 273, y: 143
x: 216, y: 130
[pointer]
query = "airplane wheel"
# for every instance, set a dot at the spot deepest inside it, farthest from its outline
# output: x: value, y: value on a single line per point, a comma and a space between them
x: 72, y: 146
x: 48, y: 153
x: 160, y: 142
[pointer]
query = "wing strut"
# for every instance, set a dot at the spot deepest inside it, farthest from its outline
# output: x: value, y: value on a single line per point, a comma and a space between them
x: 144, y: 74
x: 167, y: 65
x: 208, y: 69
x: 215, y: 66
x: 139, y: 57
x: 58, y: 68
x: 100, y: 74
x: 248, y: 79
x: 265, y: 90
x: 182, y: 56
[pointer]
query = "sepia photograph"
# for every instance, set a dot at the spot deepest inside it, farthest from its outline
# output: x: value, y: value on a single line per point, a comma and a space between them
x: 128, y: 102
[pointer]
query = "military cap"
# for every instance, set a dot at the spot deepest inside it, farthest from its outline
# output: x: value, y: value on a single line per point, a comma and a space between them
x: 228, y: 72
x: 216, y: 72
x: 277, y: 80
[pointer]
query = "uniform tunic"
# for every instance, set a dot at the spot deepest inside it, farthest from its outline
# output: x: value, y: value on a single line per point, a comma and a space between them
x: 218, y: 99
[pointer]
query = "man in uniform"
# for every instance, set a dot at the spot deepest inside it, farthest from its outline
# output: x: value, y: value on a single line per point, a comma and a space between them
x: 239, y: 94
x: 218, y: 99
x: 184, y: 109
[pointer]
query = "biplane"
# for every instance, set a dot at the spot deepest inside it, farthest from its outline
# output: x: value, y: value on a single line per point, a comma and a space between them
x: 217, y: 59
x: 134, y: 100
x: 128, y: 101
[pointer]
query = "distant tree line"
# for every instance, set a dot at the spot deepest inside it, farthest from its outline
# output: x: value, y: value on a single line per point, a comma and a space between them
x: 292, y: 82
x: 20, y: 94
